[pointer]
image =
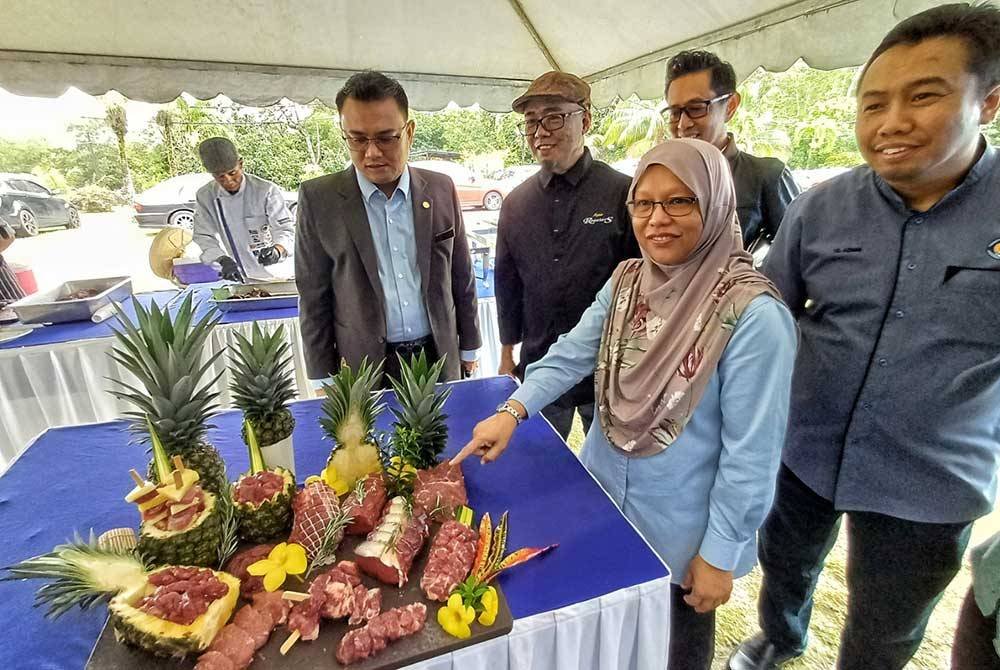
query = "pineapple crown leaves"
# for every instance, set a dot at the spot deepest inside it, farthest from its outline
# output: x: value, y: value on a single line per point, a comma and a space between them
x: 352, y: 393
x: 262, y: 379
x: 165, y: 356
x: 79, y: 573
x: 420, y: 407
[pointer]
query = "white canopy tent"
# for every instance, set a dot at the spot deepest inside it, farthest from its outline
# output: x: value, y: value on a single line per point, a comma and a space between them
x: 259, y: 51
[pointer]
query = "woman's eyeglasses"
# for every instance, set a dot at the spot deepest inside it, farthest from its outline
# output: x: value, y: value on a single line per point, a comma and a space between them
x: 679, y: 206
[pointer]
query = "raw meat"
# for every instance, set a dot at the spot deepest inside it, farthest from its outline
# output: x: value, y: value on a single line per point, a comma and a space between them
x: 182, y: 594
x: 275, y: 606
x: 257, y: 488
x: 366, y: 508
x: 367, y: 605
x: 238, y: 564
x: 304, y: 617
x: 388, y: 551
x: 440, y: 490
x: 451, y: 556
x: 235, y: 644
x: 313, y: 508
x: 257, y: 625
x: 213, y: 660
x: 376, y: 635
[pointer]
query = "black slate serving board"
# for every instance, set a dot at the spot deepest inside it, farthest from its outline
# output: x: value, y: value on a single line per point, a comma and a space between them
x: 108, y: 654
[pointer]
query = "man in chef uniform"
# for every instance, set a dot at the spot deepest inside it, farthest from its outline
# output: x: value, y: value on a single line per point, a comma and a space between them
x: 241, y: 222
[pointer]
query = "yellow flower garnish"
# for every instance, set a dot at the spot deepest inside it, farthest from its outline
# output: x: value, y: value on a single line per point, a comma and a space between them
x: 456, y: 617
x: 285, y: 559
x: 490, y: 603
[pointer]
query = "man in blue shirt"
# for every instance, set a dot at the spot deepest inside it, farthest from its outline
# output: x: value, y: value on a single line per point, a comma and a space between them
x: 893, y: 273
x: 382, y: 263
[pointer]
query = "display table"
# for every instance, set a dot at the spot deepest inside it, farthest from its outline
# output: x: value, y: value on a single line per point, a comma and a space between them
x: 599, y: 600
x: 58, y: 374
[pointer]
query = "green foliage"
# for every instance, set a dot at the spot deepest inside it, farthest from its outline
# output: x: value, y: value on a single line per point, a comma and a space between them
x: 94, y: 198
x: 471, y: 132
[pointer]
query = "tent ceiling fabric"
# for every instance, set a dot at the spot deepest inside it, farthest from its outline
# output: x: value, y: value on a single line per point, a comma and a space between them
x: 259, y: 51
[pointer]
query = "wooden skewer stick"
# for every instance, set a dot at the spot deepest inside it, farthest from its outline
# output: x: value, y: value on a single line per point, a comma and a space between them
x: 178, y: 466
x: 137, y: 478
x: 295, y: 596
x: 290, y: 642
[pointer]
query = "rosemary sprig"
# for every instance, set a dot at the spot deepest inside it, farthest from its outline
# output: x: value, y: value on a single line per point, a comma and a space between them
x: 230, y: 541
x: 332, y: 536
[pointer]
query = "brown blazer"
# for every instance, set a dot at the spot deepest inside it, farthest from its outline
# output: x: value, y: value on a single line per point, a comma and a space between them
x: 341, y: 304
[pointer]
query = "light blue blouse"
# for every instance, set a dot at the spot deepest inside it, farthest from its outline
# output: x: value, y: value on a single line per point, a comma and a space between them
x: 709, y: 492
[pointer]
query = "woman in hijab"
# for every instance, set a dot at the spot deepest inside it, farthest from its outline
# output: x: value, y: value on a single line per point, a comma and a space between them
x: 693, y: 351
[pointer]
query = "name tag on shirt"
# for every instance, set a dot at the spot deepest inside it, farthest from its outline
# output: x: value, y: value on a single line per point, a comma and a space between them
x: 259, y: 232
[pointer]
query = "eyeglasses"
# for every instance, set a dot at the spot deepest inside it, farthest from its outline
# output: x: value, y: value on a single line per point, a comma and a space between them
x: 550, y: 122
x: 679, y: 206
x: 694, y: 110
x: 383, y: 142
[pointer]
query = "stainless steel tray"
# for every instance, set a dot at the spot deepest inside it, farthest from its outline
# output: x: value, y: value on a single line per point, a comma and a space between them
x: 284, y: 295
x: 45, y: 307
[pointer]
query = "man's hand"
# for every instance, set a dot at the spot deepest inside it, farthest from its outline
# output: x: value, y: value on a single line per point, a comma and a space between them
x: 229, y: 270
x: 469, y: 367
x: 507, y: 364
x: 710, y: 587
x: 270, y: 255
x: 490, y: 436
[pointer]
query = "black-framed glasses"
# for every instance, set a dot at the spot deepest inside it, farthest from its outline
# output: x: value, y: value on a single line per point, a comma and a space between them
x: 385, y: 142
x: 550, y: 122
x: 695, y: 109
x: 679, y: 206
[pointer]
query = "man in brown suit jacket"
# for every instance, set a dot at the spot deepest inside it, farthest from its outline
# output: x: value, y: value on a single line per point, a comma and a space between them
x: 381, y: 259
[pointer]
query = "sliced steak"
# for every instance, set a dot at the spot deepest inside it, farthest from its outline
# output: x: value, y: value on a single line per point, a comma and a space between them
x: 439, y: 490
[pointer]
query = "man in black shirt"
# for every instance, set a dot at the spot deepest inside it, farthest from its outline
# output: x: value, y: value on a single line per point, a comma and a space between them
x: 560, y: 235
x: 702, y: 98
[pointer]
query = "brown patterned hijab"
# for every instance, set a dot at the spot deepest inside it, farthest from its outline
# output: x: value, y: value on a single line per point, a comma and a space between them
x: 669, y: 324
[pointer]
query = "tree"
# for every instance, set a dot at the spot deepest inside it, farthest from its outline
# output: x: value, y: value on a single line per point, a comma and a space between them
x: 164, y: 120
x: 632, y: 127
x: 118, y: 123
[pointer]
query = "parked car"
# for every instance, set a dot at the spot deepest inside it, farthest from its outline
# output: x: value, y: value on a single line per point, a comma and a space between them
x: 28, y: 207
x: 473, y: 190
x: 171, y: 202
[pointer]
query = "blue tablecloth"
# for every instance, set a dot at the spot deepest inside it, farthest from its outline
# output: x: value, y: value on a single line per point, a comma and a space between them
x: 85, y: 330
x: 74, y: 479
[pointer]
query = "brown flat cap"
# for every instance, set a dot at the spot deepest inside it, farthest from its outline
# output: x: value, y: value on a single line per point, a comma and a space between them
x: 556, y: 85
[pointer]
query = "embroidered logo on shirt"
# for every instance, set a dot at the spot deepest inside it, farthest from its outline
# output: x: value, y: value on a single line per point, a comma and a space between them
x: 994, y: 249
x: 598, y: 217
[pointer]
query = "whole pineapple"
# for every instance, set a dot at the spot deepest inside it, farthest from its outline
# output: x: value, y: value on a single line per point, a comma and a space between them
x: 166, y: 356
x: 349, y: 412
x: 421, y: 433
x: 262, y: 384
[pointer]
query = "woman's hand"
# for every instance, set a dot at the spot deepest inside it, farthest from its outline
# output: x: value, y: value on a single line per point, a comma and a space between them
x: 710, y: 587
x: 490, y: 436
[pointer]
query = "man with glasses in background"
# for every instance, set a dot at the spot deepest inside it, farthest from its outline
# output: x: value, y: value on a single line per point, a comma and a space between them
x: 560, y: 235
x: 701, y: 97
x: 381, y: 259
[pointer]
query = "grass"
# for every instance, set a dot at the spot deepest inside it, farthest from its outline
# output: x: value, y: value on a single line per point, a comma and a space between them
x: 737, y: 619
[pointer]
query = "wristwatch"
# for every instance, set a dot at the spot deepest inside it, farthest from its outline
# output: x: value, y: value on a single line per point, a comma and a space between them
x: 507, y: 408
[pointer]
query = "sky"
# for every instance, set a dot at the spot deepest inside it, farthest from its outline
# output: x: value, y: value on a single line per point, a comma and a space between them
x: 46, y: 118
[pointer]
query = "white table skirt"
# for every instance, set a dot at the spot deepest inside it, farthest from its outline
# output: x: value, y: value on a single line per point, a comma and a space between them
x: 66, y: 383
x: 624, y: 630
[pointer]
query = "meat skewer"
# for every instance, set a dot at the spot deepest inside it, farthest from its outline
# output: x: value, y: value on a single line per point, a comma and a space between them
x: 235, y: 645
x: 450, y: 560
x: 334, y: 594
x: 373, y: 637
